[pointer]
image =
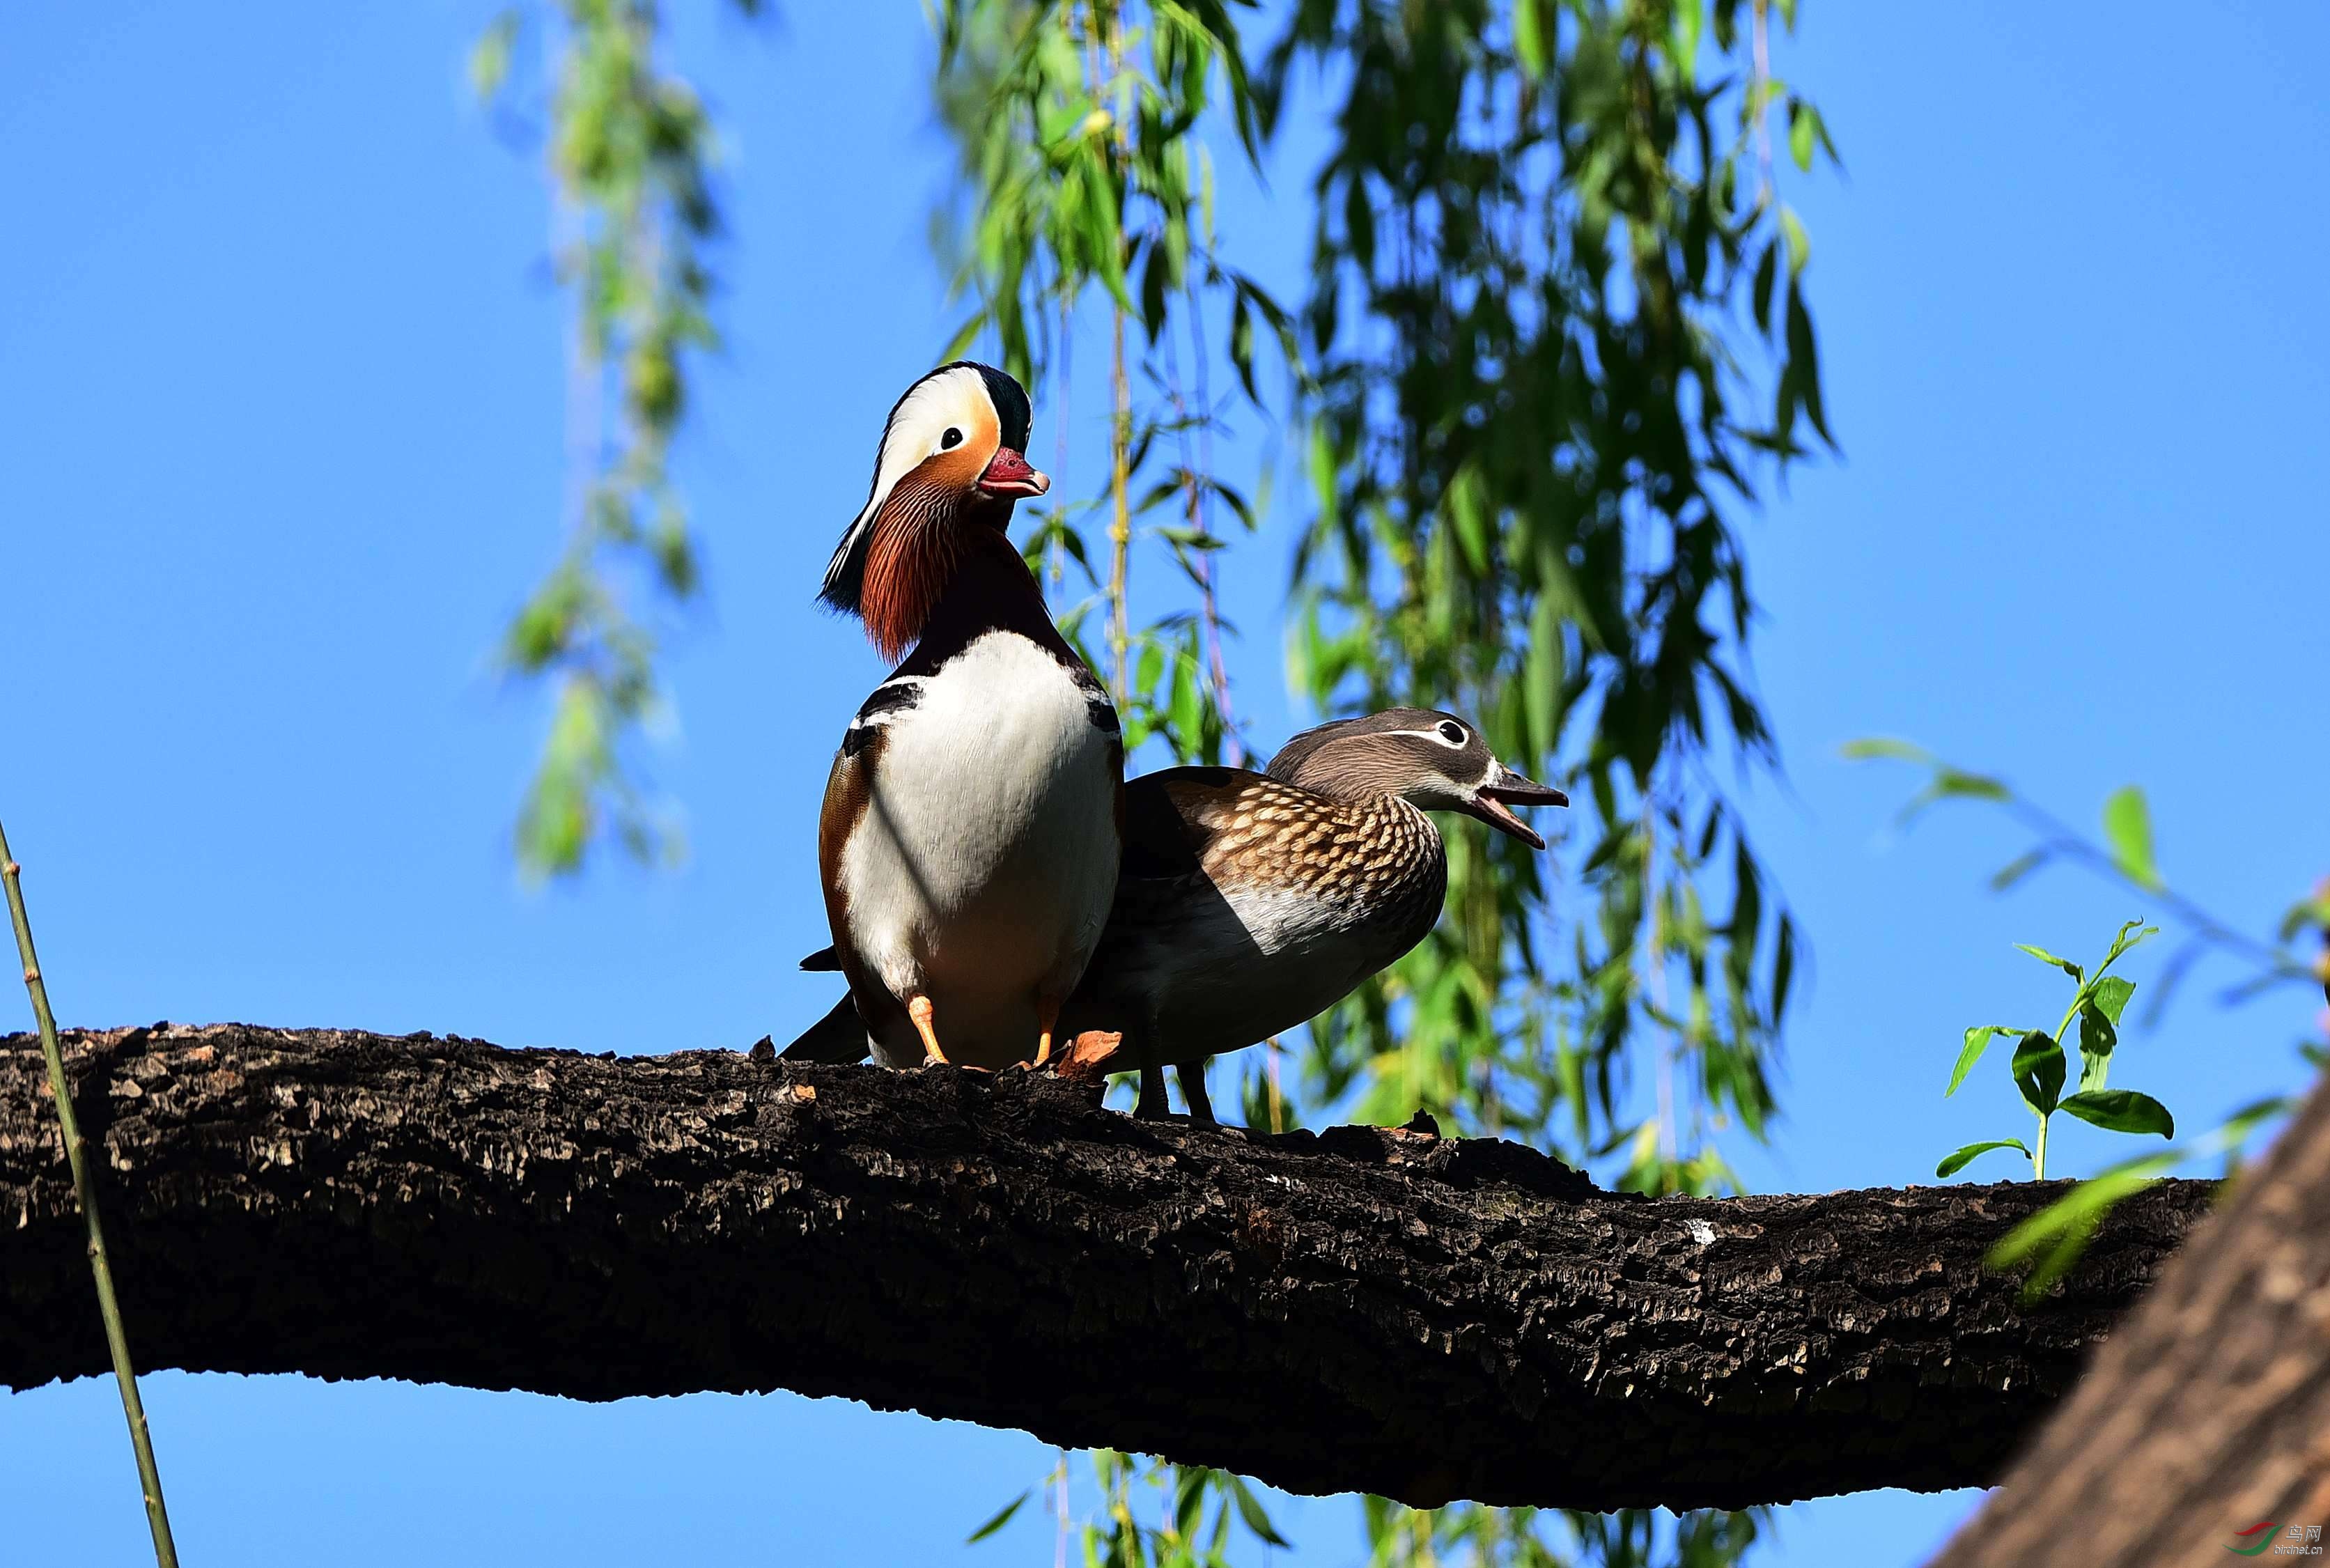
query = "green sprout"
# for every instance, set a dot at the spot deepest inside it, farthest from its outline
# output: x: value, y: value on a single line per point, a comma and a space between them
x: 2041, y: 1066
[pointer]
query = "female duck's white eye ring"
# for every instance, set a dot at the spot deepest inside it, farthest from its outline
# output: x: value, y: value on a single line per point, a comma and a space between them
x: 952, y: 439
x: 1452, y: 731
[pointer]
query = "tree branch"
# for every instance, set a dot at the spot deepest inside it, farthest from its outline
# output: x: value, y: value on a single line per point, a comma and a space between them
x: 1362, y: 1309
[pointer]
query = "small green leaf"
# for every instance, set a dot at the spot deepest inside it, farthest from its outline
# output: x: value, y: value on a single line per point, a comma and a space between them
x: 2039, y: 1069
x: 1957, y: 1160
x: 1800, y: 247
x: 2121, y: 1110
x: 965, y: 336
x: 2123, y: 941
x: 1958, y: 783
x: 2109, y: 995
x: 2044, y: 957
x: 1804, y: 129
x: 2015, y: 870
x: 1528, y: 39
x: 1249, y: 1507
x: 2099, y: 1038
x: 1871, y: 748
x: 1001, y: 1518
x: 489, y: 57
x: 1950, y: 783
x: 2127, y: 828
x: 1977, y: 1041
x: 2061, y: 1230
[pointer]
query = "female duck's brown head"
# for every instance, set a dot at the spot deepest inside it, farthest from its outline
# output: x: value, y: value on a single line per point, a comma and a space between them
x: 1432, y: 759
x: 952, y: 463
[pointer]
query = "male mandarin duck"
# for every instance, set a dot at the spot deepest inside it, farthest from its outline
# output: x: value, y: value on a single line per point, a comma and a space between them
x: 1248, y: 902
x: 970, y: 837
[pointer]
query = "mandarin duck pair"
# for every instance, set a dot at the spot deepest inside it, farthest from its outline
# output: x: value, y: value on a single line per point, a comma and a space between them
x: 994, y: 884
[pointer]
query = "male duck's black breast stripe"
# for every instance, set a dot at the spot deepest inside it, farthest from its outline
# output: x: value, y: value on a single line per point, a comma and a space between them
x: 1097, y: 707
x: 893, y: 696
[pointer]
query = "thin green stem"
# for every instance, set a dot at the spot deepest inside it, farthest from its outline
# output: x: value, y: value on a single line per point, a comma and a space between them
x: 2038, y: 1153
x: 149, y: 1477
x: 2059, y: 836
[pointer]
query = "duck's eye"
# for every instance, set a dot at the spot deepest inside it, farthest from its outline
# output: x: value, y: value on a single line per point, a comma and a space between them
x: 1452, y: 731
x: 952, y: 439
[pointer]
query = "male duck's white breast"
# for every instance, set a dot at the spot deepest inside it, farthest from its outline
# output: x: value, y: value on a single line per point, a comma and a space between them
x: 989, y: 832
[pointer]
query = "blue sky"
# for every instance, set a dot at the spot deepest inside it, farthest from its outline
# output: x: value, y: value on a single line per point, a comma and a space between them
x: 281, y: 378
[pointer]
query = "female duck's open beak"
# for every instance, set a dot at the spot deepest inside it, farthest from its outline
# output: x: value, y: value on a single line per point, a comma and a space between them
x: 1489, y: 803
x: 1008, y: 473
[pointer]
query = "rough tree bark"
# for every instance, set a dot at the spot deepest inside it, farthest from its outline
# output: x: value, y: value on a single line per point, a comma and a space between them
x: 2209, y: 1412
x: 1362, y: 1309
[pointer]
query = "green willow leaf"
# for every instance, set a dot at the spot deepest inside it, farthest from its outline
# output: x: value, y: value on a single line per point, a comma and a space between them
x: 1977, y: 1040
x: 2124, y: 941
x: 1002, y: 1517
x: 2121, y: 1110
x: 2044, y: 957
x: 1251, y: 1512
x: 1874, y: 748
x: 2127, y: 828
x: 2109, y: 995
x: 1955, y: 1160
x: 2015, y: 870
x: 2054, y: 1238
x: 2039, y: 1071
x: 2099, y: 1038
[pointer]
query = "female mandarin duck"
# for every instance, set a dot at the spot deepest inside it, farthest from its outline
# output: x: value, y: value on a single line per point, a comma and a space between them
x: 1248, y: 902
x: 970, y: 838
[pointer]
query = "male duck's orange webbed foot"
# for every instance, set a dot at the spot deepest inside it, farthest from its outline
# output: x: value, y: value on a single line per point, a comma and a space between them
x: 919, y: 1008
x: 1047, y: 1024
x: 1048, y: 1019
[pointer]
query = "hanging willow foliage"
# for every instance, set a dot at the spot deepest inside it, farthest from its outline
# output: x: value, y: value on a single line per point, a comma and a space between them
x: 1086, y: 185
x: 629, y: 157
x: 1535, y: 238
x: 1537, y: 241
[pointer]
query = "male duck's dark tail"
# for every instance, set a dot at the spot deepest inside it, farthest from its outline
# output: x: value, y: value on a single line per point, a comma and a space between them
x: 837, y: 1038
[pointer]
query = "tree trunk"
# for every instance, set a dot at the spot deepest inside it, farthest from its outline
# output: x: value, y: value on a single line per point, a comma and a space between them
x: 1362, y: 1309
x: 2209, y: 1412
